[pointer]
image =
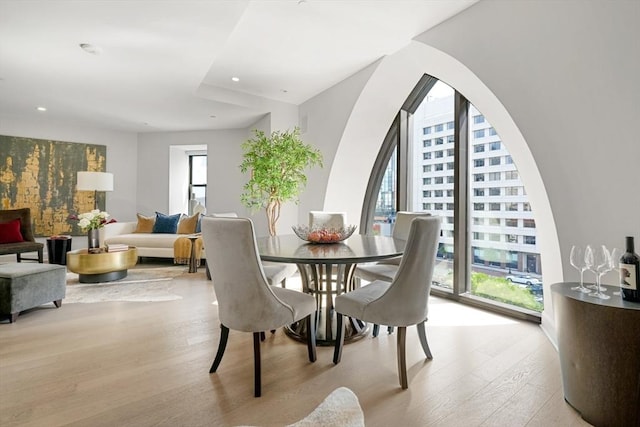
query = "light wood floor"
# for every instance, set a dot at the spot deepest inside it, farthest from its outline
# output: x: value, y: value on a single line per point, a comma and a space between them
x: 144, y: 364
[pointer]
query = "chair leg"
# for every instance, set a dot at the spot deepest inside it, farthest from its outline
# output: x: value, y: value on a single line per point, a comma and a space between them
x: 18, y: 258
x: 311, y: 336
x: 224, y: 335
x: 402, y: 360
x: 423, y: 340
x: 58, y: 303
x: 40, y: 256
x: 376, y: 330
x: 284, y: 283
x: 256, y: 365
x: 389, y: 330
x: 262, y: 336
x: 337, y: 351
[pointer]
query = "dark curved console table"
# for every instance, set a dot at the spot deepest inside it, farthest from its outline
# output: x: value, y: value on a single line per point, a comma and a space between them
x: 599, y: 347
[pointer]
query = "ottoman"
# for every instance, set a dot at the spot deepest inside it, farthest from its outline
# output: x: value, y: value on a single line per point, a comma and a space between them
x: 24, y: 286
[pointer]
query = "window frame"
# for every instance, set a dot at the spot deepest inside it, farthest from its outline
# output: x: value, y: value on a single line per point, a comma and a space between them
x: 462, y: 210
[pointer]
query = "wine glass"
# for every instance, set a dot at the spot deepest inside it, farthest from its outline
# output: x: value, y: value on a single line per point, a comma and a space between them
x: 590, y: 262
x: 616, y: 254
x: 602, y: 265
x: 576, y: 257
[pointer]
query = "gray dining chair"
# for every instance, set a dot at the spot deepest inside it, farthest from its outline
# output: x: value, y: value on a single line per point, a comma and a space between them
x: 246, y: 301
x: 275, y: 272
x: 402, y: 302
x: 324, y: 219
x: 386, y: 269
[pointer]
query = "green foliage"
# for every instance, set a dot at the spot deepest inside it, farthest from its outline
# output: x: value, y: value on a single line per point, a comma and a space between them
x: 277, y: 164
x: 499, y: 289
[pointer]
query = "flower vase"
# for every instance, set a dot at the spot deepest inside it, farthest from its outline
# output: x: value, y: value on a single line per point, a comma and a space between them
x: 94, y: 239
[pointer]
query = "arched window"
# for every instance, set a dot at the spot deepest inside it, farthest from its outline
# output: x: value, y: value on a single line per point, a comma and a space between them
x: 442, y: 156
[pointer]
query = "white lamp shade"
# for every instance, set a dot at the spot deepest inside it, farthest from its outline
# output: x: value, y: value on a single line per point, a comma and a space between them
x: 95, y: 181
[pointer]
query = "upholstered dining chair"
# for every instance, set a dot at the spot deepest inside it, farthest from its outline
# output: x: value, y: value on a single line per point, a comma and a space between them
x: 246, y: 301
x: 275, y: 272
x: 319, y: 219
x: 401, y: 303
x: 387, y: 269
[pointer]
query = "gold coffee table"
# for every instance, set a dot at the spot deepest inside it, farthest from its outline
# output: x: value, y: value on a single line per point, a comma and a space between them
x: 103, y: 266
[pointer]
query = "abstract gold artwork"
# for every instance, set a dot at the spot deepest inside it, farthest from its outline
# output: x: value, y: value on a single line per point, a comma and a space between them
x: 41, y: 175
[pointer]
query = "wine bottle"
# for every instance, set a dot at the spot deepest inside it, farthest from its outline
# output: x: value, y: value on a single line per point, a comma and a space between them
x: 630, y: 273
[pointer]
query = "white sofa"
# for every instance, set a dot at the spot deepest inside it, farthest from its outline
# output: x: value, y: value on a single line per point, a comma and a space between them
x: 155, y: 245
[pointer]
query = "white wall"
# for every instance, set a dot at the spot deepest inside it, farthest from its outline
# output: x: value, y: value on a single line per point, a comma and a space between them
x: 179, y: 183
x: 325, y: 117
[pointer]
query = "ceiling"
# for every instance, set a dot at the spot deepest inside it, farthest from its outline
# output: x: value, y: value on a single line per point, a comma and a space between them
x: 167, y: 65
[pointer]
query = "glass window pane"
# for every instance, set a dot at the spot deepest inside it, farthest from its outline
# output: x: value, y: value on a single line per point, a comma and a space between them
x: 198, y: 169
x: 502, y: 262
x: 435, y: 112
x: 198, y: 178
x: 385, y: 213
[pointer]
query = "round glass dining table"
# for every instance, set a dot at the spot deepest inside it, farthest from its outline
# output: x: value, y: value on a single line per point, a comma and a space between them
x: 326, y: 270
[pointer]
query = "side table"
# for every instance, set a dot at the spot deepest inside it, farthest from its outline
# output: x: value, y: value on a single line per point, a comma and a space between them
x: 599, y: 348
x: 57, y: 248
x: 193, y: 260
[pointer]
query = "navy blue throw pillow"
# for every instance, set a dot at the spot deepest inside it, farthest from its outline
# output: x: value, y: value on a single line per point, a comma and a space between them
x: 166, y: 223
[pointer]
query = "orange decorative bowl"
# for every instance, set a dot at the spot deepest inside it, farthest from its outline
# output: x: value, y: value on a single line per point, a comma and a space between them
x: 323, y: 235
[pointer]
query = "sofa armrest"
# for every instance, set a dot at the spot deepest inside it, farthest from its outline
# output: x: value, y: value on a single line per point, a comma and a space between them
x: 117, y: 228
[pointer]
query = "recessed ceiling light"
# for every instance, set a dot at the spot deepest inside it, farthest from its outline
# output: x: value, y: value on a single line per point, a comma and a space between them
x: 284, y: 90
x: 89, y: 48
x: 235, y: 79
x: 41, y: 108
x: 212, y: 116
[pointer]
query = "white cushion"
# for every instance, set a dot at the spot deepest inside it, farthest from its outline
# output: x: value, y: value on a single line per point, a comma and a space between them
x: 145, y: 240
x: 378, y: 271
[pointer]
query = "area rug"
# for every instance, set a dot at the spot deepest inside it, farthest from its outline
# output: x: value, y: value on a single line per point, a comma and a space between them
x: 140, y: 285
x: 341, y: 408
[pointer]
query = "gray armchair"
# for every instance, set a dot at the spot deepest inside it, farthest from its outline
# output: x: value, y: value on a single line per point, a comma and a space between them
x: 246, y: 301
x: 404, y: 301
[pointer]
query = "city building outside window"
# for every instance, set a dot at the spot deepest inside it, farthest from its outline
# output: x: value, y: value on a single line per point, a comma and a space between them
x: 494, y: 254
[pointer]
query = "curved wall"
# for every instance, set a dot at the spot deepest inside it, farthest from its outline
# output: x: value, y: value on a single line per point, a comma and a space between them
x: 394, y: 78
x: 566, y: 72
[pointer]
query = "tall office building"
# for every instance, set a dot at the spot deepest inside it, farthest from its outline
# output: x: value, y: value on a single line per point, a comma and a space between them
x: 503, y: 231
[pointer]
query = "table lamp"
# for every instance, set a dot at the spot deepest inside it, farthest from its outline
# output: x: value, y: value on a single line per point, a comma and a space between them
x: 95, y: 181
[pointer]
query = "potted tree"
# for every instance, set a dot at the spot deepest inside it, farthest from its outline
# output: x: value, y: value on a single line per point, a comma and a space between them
x: 276, y: 164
